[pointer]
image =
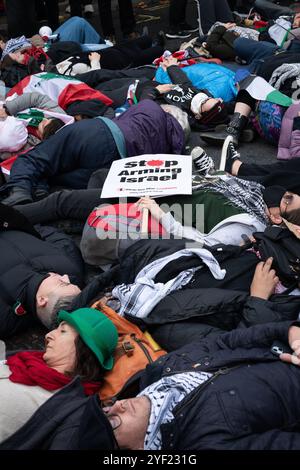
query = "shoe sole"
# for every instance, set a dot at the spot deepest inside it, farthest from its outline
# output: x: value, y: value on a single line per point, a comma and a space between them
x: 211, y: 139
x: 247, y: 135
x: 224, y: 153
x: 176, y: 36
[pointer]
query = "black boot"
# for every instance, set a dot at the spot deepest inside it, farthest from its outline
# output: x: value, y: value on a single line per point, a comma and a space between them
x: 17, y: 196
x: 235, y: 128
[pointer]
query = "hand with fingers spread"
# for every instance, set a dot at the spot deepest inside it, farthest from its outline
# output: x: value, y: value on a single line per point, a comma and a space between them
x: 148, y: 203
x: 264, y: 280
x: 294, y: 342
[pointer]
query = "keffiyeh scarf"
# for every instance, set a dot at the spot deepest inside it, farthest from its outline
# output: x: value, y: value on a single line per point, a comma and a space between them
x: 140, y: 298
x: 247, y: 195
x: 164, y: 396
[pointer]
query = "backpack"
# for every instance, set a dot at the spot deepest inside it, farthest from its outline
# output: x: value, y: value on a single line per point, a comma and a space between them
x: 107, y: 225
x: 134, y: 351
x: 284, y: 247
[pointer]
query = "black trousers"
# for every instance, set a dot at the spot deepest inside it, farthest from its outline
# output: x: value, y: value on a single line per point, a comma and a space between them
x: 134, y: 53
x: 76, y: 6
x: 21, y: 18
x: 49, y: 10
x: 211, y: 11
x: 284, y: 173
x: 126, y: 14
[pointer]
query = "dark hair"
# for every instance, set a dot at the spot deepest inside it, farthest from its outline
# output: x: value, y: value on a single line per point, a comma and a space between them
x: 87, y: 366
x: 8, y: 62
x: 4, y: 35
x: 293, y: 216
x: 53, y: 126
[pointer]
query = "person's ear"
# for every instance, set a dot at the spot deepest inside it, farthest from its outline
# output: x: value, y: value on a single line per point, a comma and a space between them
x: 42, y: 301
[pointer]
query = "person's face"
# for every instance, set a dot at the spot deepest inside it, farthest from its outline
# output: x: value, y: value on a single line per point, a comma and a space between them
x: 17, y: 57
x: 129, y: 420
x: 60, y: 349
x: 41, y: 127
x: 59, y: 284
x: 288, y: 203
x: 2, y: 44
x: 209, y: 104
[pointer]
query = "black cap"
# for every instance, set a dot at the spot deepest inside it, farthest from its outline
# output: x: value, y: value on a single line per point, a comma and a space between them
x: 273, y: 195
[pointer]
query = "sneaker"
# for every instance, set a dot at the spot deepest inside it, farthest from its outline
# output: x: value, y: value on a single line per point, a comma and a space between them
x: 172, y: 34
x: 187, y: 28
x: 202, y: 163
x: 68, y: 9
x: 228, y: 155
x: 88, y: 10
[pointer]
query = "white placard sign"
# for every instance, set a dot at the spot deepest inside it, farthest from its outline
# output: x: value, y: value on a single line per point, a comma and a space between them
x: 149, y: 175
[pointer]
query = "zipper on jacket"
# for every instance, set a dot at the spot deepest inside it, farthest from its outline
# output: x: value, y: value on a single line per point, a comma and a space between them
x: 143, y: 348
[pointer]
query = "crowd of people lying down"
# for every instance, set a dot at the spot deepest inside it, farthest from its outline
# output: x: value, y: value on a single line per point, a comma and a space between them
x: 185, y: 340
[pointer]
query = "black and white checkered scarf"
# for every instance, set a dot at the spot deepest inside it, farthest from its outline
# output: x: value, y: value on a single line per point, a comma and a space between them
x: 246, y: 195
x: 164, y: 395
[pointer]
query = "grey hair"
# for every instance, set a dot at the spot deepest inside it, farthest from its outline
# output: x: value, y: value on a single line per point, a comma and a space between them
x: 48, y: 315
x: 180, y: 116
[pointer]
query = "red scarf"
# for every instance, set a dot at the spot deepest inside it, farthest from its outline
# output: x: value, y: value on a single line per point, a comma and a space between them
x: 29, y: 368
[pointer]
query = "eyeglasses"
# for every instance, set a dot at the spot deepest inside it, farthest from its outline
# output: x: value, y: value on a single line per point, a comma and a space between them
x: 287, y: 199
x: 114, y: 420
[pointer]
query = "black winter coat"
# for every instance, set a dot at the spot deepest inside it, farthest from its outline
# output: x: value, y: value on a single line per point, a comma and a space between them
x: 252, y: 407
x: 220, y: 43
x: 25, y: 262
x: 206, y: 306
x: 251, y: 403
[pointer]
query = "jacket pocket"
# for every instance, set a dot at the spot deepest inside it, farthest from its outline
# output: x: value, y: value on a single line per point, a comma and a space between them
x: 234, y: 412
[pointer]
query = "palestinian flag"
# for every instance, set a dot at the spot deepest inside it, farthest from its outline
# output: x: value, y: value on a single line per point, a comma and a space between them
x: 261, y: 90
x: 61, y: 89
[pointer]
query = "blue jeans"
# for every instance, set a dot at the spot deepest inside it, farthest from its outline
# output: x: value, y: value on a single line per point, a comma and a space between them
x: 253, y: 52
x: 79, y: 30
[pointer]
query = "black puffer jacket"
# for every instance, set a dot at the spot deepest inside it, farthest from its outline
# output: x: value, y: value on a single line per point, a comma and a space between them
x: 254, y: 406
x: 194, y: 314
x: 25, y: 262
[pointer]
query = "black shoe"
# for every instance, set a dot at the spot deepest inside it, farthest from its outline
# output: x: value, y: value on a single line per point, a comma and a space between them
x: 247, y: 135
x: 160, y: 39
x: 17, y: 196
x: 174, y: 34
x: 187, y: 28
x: 229, y: 155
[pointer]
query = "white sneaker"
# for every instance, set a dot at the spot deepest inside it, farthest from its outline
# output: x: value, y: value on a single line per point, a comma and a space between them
x: 202, y: 163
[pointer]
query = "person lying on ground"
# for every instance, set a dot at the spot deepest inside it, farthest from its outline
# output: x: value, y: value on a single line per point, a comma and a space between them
x: 81, y: 345
x: 39, y: 113
x: 70, y: 156
x: 40, y: 268
x: 175, y: 406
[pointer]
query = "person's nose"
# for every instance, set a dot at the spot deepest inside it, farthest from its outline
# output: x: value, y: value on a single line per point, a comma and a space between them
x: 50, y: 336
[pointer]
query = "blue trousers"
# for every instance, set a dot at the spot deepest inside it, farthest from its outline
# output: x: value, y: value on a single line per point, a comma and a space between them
x: 253, y: 52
